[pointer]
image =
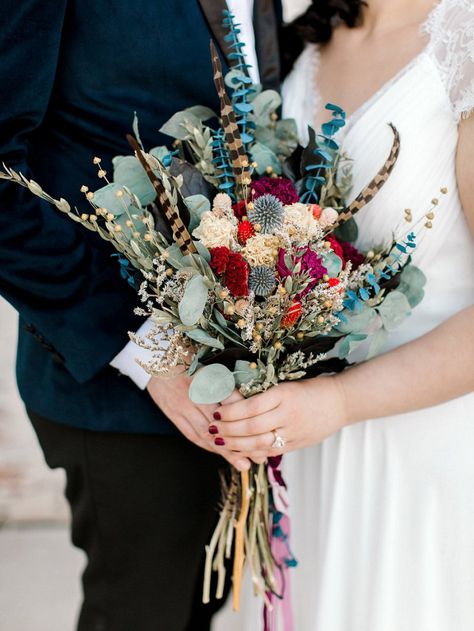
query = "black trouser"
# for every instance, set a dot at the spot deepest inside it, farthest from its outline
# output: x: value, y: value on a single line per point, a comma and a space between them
x: 143, y: 508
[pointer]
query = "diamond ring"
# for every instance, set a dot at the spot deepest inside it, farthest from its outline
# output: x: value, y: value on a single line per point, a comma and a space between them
x: 279, y: 442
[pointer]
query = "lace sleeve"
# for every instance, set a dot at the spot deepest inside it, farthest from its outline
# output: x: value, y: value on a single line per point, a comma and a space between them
x: 451, y: 31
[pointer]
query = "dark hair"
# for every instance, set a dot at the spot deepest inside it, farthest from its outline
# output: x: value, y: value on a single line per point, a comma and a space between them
x: 317, y: 25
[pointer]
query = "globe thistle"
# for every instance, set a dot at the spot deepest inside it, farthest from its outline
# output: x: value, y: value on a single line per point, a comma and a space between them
x: 261, y: 280
x: 268, y: 212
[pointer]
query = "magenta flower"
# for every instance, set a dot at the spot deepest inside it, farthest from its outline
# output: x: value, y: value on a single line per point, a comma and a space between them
x: 282, y: 188
x: 311, y: 264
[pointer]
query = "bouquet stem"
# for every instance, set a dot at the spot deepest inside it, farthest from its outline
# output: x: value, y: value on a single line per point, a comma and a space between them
x: 239, y: 555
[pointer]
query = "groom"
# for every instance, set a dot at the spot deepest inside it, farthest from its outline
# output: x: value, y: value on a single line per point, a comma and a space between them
x: 142, y: 497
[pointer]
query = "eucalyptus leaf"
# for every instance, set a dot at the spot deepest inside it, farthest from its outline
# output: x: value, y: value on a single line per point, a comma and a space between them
x: 412, y: 283
x: 243, y: 373
x: 360, y: 322
x: 191, y: 306
x: 264, y: 158
x: 129, y: 172
x: 333, y: 264
x: 394, y: 309
x: 202, y: 337
x: 377, y: 343
x: 179, y: 124
x: 211, y: 384
x: 106, y: 197
x: 264, y: 105
x: 197, y: 205
x: 349, y: 344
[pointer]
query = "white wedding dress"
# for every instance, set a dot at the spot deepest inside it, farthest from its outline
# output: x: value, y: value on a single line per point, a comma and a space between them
x: 383, y: 512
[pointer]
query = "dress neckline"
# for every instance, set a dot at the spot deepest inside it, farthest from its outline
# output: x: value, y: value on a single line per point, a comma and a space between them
x: 387, y: 85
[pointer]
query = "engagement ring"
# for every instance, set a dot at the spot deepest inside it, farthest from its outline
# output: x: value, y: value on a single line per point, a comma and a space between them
x: 278, y: 443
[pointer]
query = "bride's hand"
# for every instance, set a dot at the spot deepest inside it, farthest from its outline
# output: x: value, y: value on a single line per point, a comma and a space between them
x: 302, y: 413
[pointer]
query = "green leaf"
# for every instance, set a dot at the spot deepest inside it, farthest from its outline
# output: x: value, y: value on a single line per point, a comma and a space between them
x: 350, y: 343
x: 129, y: 172
x: 106, y: 197
x: 394, y: 309
x: 202, y: 112
x: 211, y: 384
x: 243, y: 373
x: 357, y: 322
x: 264, y: 105
x: 200, y: 336
x: 176, y: 126
x: 194, y: 301
x: 412, y: 283
x: 264, y: 157
x: 333, y: 264
x: 348, y: 231
x: 377, y: 343
x: 197, y: 204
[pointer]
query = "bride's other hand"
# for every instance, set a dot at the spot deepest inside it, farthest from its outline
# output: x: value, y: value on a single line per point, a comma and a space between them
x: 302, y: 413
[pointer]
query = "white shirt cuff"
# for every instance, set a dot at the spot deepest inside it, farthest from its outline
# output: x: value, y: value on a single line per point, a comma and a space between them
x: 126, y: 361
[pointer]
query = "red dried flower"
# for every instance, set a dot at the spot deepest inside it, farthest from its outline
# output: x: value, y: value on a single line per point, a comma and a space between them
x: 336, y: 247
x: 292, y: 316
x: 282, y: 188
x: 219, y: 259
x: 245, y: 231
x: 237, y: 275
x: 333, y: 282
x: 240, y: 209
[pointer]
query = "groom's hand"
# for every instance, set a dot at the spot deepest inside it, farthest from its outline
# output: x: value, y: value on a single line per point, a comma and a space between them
x: 171, y: 395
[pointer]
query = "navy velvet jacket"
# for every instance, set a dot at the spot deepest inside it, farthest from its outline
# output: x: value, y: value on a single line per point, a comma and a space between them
x: 72, y: 72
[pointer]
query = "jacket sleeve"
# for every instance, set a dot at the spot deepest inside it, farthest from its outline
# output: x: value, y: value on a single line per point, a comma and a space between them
x: 70, y: 291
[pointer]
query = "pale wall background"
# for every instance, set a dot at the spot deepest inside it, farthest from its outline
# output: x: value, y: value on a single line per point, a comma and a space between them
x: 39, y: 570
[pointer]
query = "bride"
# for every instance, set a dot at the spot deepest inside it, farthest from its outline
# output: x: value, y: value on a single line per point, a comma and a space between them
x: 382, y: 484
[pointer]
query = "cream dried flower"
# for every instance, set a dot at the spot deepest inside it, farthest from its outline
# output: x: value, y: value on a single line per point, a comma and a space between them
x: 328, y: 217
x: 300, y: 223
x: 222, y: 205
x: 215, y: 231
x: 261, y: 249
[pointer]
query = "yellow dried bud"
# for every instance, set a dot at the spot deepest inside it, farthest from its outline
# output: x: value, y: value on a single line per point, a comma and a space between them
x: 93, y: 218
x: 250, y: 206
x: 110, y: 217
x: 281, y: 290
x: 90, y: 195
x: 97, y: 160
x: 327, y: 245
x: 119, y: 193
x: 129, y: 223
x: 84, y: 188
x: 274, y: 253
x: 274, y: 116
x: 255, y: 165
x: 435, y: 201
x: 84, y: 217
x: 223, y: 294
x: 444, y: 190
x: 430, y: 216
x: 370, y: 254
x: 169, y: 272
x: 300, y: 335
x: 259, y: 326
x: 321, y: 320
x: 328, y: 304
x: 252, y: 365
x: 257, y: 337
x: 257, y: 227
x: 325, y: 278
x: 102, y: 173
x: 148, y: 237
x: 269, y: 170
x: 136, y: 235
x: 118, y: 228
x: 241, y: 323
x: 229, y: 309
x: 278, y: 346
x: 428, y: 225
x: 245, y: 163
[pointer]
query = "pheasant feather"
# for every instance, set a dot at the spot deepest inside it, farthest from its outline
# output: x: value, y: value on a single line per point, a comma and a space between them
x: 170, y: 211
x: 238, y: 157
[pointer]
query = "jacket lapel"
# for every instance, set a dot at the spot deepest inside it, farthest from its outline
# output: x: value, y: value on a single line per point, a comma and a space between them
x: 213, y: 10
x: 266, y: 25
x: 266, y: 36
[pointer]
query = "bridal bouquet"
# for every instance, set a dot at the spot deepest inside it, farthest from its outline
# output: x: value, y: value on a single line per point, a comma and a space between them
x: 239, y: 241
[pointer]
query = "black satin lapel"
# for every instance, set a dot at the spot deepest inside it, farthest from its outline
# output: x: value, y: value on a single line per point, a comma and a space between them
x: 266, y: 40
x: 214, y: 13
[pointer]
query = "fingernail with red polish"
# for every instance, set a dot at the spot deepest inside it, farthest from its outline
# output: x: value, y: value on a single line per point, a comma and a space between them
x: 220, y: 442
x: 213, y: 429
x: 217, y: 416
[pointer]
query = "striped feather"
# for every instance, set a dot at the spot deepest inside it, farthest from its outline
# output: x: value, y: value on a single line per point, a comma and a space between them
x: 181, y: 234
x: 238, y: 157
